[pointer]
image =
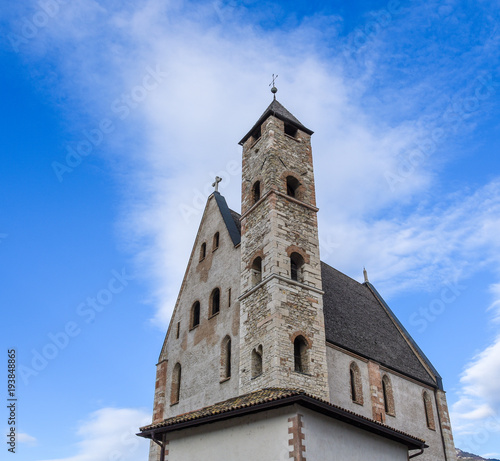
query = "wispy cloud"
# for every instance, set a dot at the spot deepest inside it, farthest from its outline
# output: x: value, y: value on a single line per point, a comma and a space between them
x: 22, y: 437
x: 476, y: 415
x: 380, y: 130
x: 109, y: 433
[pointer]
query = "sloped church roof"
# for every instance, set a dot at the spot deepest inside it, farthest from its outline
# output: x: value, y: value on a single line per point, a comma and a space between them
x: 357, y: 319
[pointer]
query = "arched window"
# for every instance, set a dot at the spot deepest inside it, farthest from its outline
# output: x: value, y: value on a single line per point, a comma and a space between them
x: 257, y: 270
x: 356, y: 386
x: 176, y: 384
x: 195, y: 314
x: 429, y: 414
x: 256, y: 192
x: 290, y: 130
x: 225, y: 358
x: 216, y: 242
x: 292, y: 186
x: 256, y: 134
x: 296, y: 267
x: 257, y: 361
x: 388, y: 396
x: 300, y: 354
x: 203, y: 251
x: 215, y: 302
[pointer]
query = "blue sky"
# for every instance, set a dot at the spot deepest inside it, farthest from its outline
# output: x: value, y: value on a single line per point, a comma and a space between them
x: 153, y: 97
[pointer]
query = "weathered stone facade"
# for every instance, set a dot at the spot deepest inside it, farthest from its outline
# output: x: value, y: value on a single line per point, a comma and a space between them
x: 275, y: 225
x: 281, y: 318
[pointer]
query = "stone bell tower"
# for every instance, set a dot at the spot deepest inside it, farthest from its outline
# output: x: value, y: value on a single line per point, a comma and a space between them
x: 282, y: 333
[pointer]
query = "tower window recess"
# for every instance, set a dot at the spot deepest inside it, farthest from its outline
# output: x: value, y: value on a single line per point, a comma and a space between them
x: 216, y: 241
x: 195, y: 314
x: 300, y: 354
x: 388, y: 396
x: 292, y: 186
x: 203, y: 251
x: 215, y: 302
x: 256, y: 134
x: 256, y: 192
x: 229, y: 297
x: 356, y: 386
x: 225, y: 358
x: 257, y: 361
x: 290, y: 130
x: 178, y: 330
x: 176, y: 384
x: 257, y: 270
x: 429, y: 415
x: 296, y: 267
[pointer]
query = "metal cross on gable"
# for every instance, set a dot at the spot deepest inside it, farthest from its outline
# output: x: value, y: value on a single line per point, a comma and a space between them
x: 216, y: 183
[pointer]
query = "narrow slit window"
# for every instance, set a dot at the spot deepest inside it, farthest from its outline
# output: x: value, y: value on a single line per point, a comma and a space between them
x: 429, y: 415
x: 216, y: 241
x: 229, y: 297
x: 178, y: 330
x: 203, y: 251
x: 388, y: 396
x: 175, y: 389
x: 356, y: 386
x: 256, y: 192
x: 226, y: 358
x: 257, y: 361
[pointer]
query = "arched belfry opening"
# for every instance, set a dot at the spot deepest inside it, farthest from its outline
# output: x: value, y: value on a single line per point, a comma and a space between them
x: 257, y: 270
x: 300, y: 347
x: 292, y: 186
x: 296, y: 267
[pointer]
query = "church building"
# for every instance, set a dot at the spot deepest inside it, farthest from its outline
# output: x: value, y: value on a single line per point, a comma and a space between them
x: 271, y: 354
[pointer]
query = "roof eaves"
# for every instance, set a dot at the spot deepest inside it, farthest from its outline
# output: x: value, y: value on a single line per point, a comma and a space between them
x: 279, y: 111
x: 285, y: 398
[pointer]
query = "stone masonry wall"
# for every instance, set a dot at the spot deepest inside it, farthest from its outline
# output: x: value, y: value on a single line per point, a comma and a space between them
x: 278, y: 309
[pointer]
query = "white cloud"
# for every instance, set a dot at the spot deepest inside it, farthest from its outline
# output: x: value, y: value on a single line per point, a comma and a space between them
x: 109, y: 433
x: 476, y: 415
x: 22, y: 437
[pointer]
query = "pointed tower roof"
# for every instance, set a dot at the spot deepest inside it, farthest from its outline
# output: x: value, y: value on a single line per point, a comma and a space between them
x: 279, y: 111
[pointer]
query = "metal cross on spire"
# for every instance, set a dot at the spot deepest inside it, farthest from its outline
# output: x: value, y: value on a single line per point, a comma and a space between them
x: 216, y: 183
x: 274, y: 90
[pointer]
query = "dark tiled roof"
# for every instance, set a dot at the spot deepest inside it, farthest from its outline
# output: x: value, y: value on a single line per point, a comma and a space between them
x: 279, y: 111
x: 359, y: 320
x: 265, y: 399
x: 237, y: 220
x: 355, y: 320
x: 232, y: 224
